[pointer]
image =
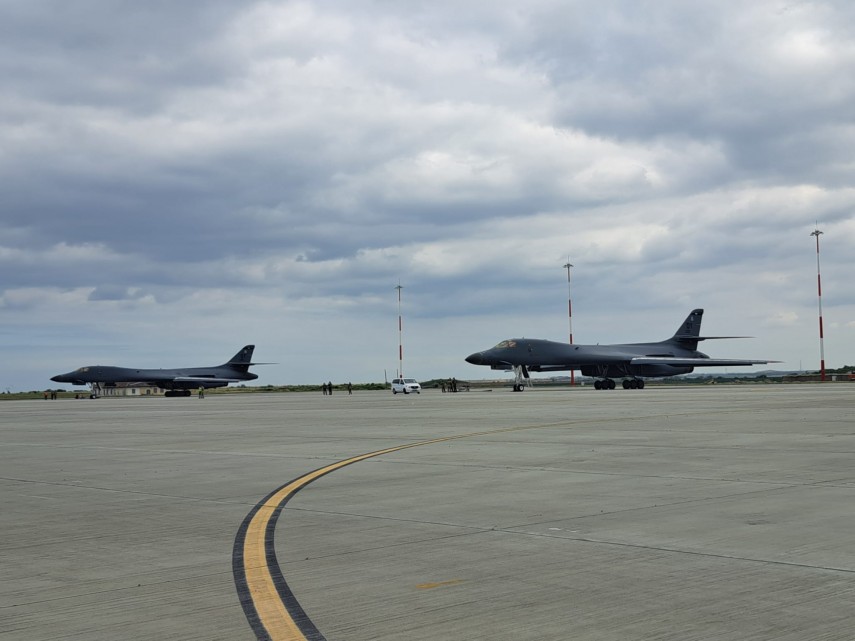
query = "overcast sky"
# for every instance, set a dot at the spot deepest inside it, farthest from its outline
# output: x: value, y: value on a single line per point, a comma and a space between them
x: 183, y: 178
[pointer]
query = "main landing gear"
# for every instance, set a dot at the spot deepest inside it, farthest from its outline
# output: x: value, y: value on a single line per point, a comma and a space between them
x: 604, y: 382
x: 177, y: 392
x: 628, y: 383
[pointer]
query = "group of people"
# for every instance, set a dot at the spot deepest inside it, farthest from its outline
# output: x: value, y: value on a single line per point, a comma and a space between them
x: 450, y: 386
x: 328, y: 388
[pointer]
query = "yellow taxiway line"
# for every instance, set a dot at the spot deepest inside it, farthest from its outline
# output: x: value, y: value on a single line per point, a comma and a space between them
x: 270, y: 607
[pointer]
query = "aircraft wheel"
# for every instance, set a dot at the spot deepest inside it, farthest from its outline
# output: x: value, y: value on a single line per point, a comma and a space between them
x: 598, y: 385
x: 611, y: 384
x: 640, y: 383
x: 626, y: 384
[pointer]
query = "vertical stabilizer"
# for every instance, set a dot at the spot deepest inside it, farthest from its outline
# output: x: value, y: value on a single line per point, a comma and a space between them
x: 689, y: 332
x: 242, y: 360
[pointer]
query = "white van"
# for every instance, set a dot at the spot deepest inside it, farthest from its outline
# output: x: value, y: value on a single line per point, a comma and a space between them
x: 406, y: 385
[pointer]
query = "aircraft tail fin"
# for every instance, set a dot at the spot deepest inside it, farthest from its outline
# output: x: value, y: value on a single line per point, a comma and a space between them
x: 243, y: 359
x: 689, y: 333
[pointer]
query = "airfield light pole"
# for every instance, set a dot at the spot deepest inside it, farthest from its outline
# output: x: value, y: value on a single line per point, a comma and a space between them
x: 568, y: 266
x: 400, y: 335
x: 818, y: 233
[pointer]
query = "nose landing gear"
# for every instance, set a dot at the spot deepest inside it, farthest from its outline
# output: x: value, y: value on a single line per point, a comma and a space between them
x: 521, y: 378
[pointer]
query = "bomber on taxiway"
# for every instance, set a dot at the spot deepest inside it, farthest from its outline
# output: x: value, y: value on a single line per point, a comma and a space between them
x: 631, y: 361
x: 177, y: 382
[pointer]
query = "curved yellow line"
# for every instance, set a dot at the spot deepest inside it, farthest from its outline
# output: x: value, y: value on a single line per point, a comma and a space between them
x: 274, y: 616
x: 272, y: 613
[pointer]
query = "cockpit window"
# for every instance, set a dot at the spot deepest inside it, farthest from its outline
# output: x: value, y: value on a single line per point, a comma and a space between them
x: 506, y: 345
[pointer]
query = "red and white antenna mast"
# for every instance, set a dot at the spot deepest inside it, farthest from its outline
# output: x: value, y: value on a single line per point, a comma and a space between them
x: 568, y: 266
x: 818, y: 233
x: 400, y: 335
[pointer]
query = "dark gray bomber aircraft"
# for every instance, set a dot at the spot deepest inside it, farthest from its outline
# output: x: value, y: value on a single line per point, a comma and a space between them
x: 677, y: 355
x: 177, y: 382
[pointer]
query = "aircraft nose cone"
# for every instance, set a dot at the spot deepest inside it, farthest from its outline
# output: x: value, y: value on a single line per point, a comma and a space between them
x: 476, y: 359
x: 64, y: 378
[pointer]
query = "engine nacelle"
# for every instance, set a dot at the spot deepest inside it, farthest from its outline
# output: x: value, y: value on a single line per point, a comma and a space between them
x: 660, y: 370
x: 647, y: 371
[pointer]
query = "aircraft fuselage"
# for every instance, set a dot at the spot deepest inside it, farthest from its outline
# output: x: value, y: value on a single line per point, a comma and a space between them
x: 539, y: 355
x: 234, y: 371
x: 188, y: 378
x: 676, y: 355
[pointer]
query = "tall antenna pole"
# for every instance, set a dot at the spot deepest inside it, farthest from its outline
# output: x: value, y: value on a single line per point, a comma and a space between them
x: 818, y: 233
x: 568, y: 266
x: 400, y: 335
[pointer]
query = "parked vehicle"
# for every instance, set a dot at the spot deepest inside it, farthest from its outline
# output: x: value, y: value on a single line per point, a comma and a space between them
x: 406, y: 386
